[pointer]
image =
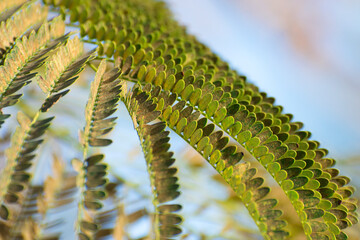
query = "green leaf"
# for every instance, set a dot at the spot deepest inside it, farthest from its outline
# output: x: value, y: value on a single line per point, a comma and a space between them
x: 190, y: 129
x: 227, y: 122
x: 167, y: 112
x: 4, y: 212
x: 174, y: 117
x: 142, y: 72
x: 266, y: 159
x: 215, y: 157
x: 274, y: 168
x: 181, y: 125
x: 312, y: 184
x: 196, y: 136
x: 89, y: 226
x: 287, y: 185
x: 260, y: 193
x: 244, y: 137
x: 94, y: 194
x: 187, y: 92
x: 252, y: 143
x: 203, y: 143
x: 150, y: 75
x: 139, y: 55
x: 179, y: 86
x: 254, y: 183
x: 169, y: 208
x: 317, y: 226
x: 313, y: 213
x: 220, y: 115
x: 195, y: 96
x: 169, y: 82
x: 204, y: 102
x: 212, y: 108
x: 93, y: 205
x: 168, y: 231
x: 271, y: 214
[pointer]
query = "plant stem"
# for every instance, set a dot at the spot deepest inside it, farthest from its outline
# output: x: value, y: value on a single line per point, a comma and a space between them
x: 92, y: 66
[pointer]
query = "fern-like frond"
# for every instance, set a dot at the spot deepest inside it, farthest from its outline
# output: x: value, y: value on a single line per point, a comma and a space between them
x: 157, y: 50
x: 93, y: 184
x: 13, y: 28
x: 251, y: 120
x: 225, y: 157
x: 246, y: 130
x: 41, y: 202
x: 8, y: 5
x: 6, y: 13
x: 59, y: 192
x: 27, y: 55
x: 295, y: 162
x: 104, y: 95
x: 27, y: 211
x: 61, y: 71
x: 14, y: 177
x: 164, y: 183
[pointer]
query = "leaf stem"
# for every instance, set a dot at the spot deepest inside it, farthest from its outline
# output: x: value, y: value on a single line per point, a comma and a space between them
x: 92, y: 66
